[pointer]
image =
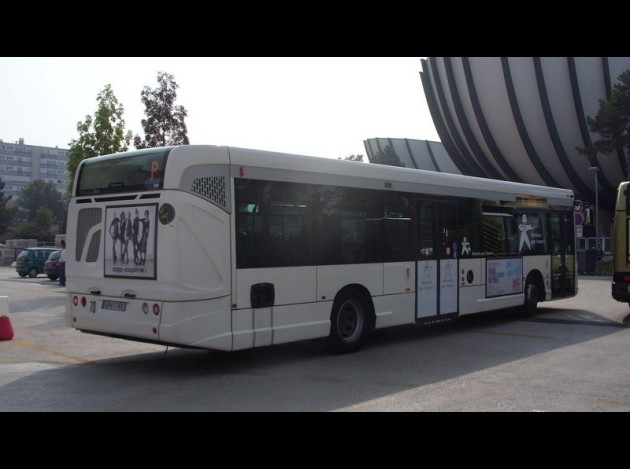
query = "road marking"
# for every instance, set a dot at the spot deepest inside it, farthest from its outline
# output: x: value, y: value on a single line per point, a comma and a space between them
x: 39, y: 348
x: 27, y: 367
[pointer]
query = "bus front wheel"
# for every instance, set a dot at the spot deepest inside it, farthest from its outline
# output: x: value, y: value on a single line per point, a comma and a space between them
x: 532, y: 296
x: 349, y: 322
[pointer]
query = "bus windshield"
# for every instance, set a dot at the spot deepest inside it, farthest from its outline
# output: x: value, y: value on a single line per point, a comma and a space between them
x: 124, y: 172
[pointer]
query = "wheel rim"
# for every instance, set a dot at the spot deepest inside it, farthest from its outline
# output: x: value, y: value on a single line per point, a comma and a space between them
x: 32, y: 273
x: 350, y: 320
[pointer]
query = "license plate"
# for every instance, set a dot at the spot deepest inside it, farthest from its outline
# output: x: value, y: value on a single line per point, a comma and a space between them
x: 114, y: 305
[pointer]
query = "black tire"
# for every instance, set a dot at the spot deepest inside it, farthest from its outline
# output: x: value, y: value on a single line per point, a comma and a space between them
x: 33, y: 272
x: 349, y: 322
x: 53, y: 277
x: 22, y: 274
x: 532, y: 297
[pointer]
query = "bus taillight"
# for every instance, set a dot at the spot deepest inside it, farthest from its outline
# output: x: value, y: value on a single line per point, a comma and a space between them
x: 156, y: 309
x: 84, y: 302
x: 75, y: 300
x: 626, y: 278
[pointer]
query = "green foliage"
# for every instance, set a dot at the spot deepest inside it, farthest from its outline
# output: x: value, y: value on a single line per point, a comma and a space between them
x: 27, y: 230
x: 38, y: 195
x: 102, y: 134
x: 6, y: 210
x: 44, y: 219
x: 357, y: 158
x: 387, y: 156
x: 164, y: 124
x: 612, y: 122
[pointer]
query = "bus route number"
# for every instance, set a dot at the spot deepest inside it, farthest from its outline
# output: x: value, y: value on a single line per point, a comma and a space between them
x: 155, y: 167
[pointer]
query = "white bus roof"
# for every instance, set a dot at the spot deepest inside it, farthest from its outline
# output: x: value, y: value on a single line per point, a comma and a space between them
x: 260, y: 164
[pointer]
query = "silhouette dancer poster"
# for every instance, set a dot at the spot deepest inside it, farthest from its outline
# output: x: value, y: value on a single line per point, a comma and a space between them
x: 130, y: 241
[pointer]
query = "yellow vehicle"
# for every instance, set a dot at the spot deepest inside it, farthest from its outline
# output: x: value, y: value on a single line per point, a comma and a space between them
x: 621, y: 246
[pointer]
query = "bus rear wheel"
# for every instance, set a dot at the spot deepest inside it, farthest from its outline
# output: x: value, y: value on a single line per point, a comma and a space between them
x: 349, y: 322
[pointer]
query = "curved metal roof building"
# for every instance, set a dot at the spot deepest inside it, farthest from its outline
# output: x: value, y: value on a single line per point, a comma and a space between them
x: 521, y: 118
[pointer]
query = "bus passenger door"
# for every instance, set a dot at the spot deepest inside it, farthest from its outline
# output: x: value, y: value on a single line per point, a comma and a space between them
x: 562, y: 255
x: 437, y: 264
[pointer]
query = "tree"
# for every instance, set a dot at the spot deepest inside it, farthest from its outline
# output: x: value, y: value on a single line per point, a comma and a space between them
x: 387, y: 156
x: 26, y: 230
x: 164, y: 124
x: 44, y: 219
x: 102, y: 134
x: 612, y: 122
x: 40, y: 194
x: 357, y: 158
x: 6, y: 211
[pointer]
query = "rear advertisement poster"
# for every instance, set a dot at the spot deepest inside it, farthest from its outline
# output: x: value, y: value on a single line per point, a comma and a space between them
x: 130, y: 241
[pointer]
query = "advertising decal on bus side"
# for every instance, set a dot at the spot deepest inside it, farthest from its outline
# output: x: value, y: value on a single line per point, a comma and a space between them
x: 504, y: 277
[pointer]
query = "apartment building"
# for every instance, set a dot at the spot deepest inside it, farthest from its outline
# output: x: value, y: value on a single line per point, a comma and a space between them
x: 21, y: 164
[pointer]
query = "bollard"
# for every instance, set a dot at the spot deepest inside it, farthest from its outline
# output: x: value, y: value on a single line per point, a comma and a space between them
x: 6, y: 330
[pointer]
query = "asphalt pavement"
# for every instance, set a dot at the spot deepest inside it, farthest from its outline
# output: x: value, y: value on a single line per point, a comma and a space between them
x: 572, y: 356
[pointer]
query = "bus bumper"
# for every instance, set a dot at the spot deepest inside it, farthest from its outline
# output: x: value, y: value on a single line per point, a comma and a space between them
x: 620, y: 289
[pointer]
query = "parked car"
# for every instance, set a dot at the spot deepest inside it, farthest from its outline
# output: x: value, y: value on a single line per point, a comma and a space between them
x: 31, y: 261
x: 51, y: 267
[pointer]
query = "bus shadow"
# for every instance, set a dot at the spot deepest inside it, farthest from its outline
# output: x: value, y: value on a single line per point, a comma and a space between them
x: 302, y: 376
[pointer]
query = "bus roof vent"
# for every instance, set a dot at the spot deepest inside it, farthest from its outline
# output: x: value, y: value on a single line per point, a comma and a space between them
x: 211, y: 188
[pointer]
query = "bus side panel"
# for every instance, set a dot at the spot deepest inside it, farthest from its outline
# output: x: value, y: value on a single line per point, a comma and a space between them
x: 394, y: 310
x: 543, y: 265
x: 332, y: 278
x: 301, y: 322
x: 242, y: 329
x: 280, y: 324
x: 501, y: 302
x: 398, y: 305
x: 291, y: 284
x: 196, y: 263
x: 472, y: 285
x: 204, y: 324
x: 400, y: 277
x: 292, y: 315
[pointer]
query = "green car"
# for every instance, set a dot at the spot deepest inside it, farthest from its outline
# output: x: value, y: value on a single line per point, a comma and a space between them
x: 31, y: 261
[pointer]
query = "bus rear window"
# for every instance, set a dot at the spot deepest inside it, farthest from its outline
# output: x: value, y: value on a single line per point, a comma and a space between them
x: 125, y: 172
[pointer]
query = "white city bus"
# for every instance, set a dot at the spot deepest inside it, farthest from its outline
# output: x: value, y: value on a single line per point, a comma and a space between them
x: 228, y: 248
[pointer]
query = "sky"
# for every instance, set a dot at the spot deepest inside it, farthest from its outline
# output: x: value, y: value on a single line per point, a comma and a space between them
x: 312, y: 106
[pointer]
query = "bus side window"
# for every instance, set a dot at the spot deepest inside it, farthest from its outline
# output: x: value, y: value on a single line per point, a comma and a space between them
x: 247, y: 229
x: 426, y: 239
x: 350, y: 225
x: 449, y: 242
x: 396, y: 225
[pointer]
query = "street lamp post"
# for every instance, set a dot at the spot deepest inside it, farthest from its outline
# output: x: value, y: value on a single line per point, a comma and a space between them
x: 595, y: 170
